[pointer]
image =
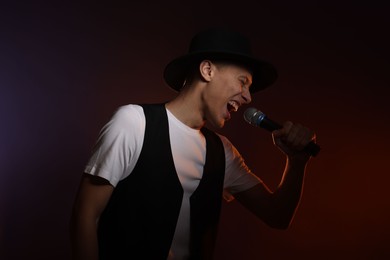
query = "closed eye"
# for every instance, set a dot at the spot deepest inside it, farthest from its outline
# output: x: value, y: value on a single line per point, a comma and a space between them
x: 245, y: 81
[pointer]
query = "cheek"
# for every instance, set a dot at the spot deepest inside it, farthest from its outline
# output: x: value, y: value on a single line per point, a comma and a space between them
x: 216, y: 93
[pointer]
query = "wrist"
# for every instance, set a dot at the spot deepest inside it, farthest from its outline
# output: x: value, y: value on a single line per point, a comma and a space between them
x: 298, y: 161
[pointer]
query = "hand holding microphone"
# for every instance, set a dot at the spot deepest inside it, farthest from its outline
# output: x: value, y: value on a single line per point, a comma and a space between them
x: 257, y: 118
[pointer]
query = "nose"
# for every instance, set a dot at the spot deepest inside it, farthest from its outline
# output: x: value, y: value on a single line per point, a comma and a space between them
x: 246, y: 95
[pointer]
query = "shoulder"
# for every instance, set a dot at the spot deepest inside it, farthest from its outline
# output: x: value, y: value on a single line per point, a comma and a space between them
x: 231, y: 153
x: 128, y: 112
x: 126, y: 119
x: 128, y: 116
x: 226, y: 143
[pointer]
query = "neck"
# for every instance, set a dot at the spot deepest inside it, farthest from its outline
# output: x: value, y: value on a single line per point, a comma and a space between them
x: 187, y: 107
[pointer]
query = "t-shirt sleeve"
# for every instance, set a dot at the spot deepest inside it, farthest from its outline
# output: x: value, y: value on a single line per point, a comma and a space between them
x: 118, y: 146
x: 238, y: 176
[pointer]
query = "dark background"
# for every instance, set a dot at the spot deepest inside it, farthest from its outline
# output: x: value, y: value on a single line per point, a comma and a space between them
x: 65, y: 69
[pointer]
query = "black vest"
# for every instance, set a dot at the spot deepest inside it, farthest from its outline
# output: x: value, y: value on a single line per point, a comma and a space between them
x: 140, y: 219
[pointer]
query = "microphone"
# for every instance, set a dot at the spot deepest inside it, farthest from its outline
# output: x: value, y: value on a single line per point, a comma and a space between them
x: 257, y: 118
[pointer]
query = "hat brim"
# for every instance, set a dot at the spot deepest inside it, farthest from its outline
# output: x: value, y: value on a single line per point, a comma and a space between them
x: 263, y: 73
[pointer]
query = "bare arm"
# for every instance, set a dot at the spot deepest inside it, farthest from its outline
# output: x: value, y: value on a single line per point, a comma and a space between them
x: 93, y: 195
x: 277, y: 208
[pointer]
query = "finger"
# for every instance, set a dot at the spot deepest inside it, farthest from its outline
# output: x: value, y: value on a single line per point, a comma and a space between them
x: 294, y: 135
x: 283, y: 132
x: 303, y: 137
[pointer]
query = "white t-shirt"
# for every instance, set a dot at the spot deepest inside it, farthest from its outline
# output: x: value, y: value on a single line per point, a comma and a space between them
x: 119, y: 146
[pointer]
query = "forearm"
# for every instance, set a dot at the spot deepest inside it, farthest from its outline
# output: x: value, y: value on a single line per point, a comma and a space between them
x: 286, y: 197
x: 84, y: 240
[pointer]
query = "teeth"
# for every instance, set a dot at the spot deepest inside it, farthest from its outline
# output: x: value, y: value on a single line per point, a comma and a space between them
x: 234, y: 105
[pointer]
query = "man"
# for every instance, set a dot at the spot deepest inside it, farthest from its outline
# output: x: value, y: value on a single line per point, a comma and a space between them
x: 153, y: 186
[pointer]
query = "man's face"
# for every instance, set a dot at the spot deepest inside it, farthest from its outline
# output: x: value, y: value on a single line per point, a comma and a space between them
x: 227, y: 90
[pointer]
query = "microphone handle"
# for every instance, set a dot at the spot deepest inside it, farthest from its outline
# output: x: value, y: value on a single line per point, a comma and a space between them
x: 264, y: 122
x: 268, y: 124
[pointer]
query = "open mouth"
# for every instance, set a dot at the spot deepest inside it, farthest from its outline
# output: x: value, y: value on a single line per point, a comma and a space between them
x: 233, y: 106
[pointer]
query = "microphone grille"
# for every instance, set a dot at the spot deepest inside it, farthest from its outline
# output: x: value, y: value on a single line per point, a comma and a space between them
x: 250, y: 115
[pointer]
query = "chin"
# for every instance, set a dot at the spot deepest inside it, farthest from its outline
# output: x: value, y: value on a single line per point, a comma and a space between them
x: 216, y: 122
x: 220, y: 124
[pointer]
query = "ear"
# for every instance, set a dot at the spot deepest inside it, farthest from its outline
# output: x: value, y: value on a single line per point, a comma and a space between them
x: 206, y: 69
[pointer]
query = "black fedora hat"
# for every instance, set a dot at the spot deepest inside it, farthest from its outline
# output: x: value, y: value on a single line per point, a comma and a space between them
x: 220, y: 44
